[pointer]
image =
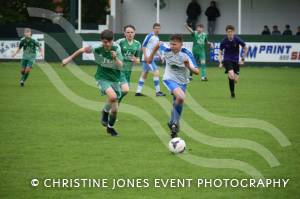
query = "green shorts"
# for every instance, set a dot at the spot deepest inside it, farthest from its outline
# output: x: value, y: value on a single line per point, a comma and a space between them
x: 103, y: 85
x: 125, y: 77
x: 26, y: 63
x: 199, y: 56
x: 126, y: 72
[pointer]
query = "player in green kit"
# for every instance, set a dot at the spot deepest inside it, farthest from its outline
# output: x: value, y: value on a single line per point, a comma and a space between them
x: 30, y: 47
x: 109, y: 60
x: 130, y: 49
x: 199, y: 43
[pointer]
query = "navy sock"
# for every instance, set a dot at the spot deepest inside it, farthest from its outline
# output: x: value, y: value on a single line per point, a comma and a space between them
x: 176, y: 113
x: 231, y: 85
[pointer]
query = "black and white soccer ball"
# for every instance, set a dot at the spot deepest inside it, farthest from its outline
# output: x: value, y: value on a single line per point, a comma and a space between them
x: 177, y: 145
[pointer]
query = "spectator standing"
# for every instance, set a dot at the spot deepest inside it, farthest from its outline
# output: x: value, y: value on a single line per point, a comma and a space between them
x: 276, y: 31
x: 287, y: 30
x: 266, y: 31
x: 212, y: 13
x: 298, y: 31
x: 193, y: 12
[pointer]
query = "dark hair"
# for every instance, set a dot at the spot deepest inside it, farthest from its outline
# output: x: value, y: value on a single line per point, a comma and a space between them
x: 107, y: 35
x: 275, y: 26
x: 129, y: 26
x: 176, y: 37
x: 229, y: 27
x: 200, y: 25
x: 156, y: 25
x: 287, y: 26
x: 265, y: 26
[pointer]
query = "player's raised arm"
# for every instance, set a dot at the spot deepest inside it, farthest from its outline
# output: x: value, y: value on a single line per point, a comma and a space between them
x: 245, y: 51
x: 19, y: 48
x: 15, y: 53
x: 117, y: 57
x: 188, y: 28
x: 136, y: 58
x: 75, y: 54
x: 220, y: 58
x: 210, y: 44
x: 222, y: 47
x: 144, y: 51
x: 40, y: 48
x: 192, y: 68
x: 152, y: 54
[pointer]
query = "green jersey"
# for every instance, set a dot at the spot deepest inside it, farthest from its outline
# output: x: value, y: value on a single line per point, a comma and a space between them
x: 107, y: 69
x: 129, y: 49
x: 199, y: 41
x: 29, y: 46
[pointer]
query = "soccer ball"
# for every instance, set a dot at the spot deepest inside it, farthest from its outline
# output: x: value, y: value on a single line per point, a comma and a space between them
x: 177, y: 145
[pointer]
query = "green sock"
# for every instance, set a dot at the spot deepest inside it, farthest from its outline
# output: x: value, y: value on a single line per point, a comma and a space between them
x: 122, y: 96
x: 25, y: 76
x: 111, y: 120
x: 107, y: 107
x: 203, y: 70
x: 22, y: 75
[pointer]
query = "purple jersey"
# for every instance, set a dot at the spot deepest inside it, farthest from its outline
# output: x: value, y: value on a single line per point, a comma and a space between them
x: 232, y: 48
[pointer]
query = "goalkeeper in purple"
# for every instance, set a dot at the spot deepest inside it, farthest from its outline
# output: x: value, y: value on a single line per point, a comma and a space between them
x: 230, y: 46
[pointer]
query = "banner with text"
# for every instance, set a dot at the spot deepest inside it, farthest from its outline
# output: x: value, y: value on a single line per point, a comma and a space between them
x: 266, y: 52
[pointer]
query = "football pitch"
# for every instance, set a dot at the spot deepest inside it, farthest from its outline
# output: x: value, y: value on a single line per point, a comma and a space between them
x: 50, y: 129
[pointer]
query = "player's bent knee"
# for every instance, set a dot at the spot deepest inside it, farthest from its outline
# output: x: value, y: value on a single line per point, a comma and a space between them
x: 180, y: 99
x: 112, y: 99
x: 112, y: 96
x: 27, y: 69
x: 231, y: 75
x: 125, y: 88
x: 114, y: 110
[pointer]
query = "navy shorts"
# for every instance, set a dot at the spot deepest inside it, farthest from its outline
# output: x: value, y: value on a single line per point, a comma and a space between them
x: 230, y: 65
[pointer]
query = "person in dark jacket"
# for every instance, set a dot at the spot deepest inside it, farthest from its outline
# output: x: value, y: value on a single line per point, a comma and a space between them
x: 266, y: 31
x: 193, y: 12
x: 298, y: 31
x: 276, y: 31
x: 287, y: 30
x: 212, y: 13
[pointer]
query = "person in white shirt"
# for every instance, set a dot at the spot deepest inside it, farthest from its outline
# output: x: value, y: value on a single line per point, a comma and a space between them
x: 149, y: 43
x: 179, y: 63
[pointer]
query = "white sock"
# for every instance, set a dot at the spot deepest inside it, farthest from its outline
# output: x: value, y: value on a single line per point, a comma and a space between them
x: 156, y: 84
x: 140, y: 85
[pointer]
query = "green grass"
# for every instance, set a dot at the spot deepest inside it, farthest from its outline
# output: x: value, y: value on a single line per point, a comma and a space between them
x: 44, y: 135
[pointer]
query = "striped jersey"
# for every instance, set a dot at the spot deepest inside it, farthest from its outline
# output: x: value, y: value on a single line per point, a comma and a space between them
x: 175, y: 69
x: 149, y: 43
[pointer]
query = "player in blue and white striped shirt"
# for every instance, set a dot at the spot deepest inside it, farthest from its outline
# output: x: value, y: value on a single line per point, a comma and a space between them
x: 179, y: 63
x: 149, y: 43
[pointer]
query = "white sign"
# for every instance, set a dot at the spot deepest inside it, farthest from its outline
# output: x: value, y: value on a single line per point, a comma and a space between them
x: 258, y: 51
x: 267, y: 52
x: 89, y: 56
x: 8, y: 47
